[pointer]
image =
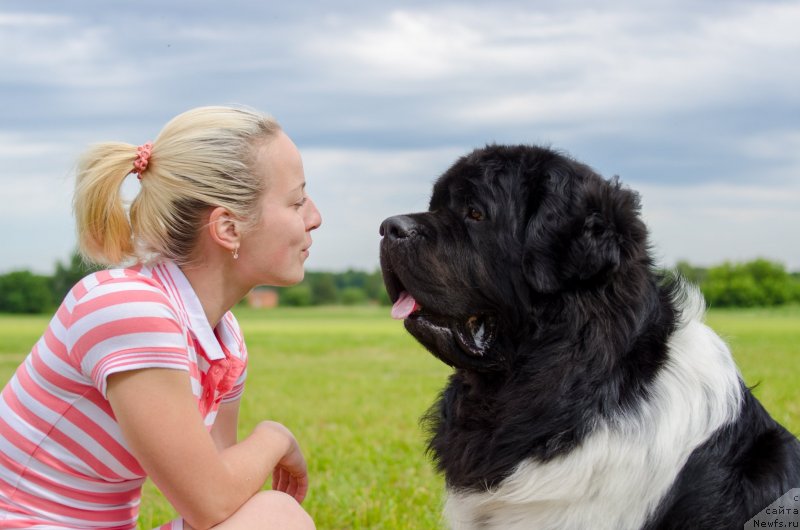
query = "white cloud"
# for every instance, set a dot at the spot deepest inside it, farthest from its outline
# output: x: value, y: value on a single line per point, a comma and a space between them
x: 16, y: 146
x: 705, y: 224
x: 356, y: 189
x: 15, y: 20
x: 410, y: 46
x: 381, y: 100
x: 584, y: 65
x: 781, y: 145
x: 57, y: 50
x: 34, y: 196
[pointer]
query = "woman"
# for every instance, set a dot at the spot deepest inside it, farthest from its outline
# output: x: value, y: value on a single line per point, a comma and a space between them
x: 141, y: 370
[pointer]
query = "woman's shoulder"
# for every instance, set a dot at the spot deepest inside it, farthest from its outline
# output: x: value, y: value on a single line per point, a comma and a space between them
x: 106, y: 281
x: 132, y: 290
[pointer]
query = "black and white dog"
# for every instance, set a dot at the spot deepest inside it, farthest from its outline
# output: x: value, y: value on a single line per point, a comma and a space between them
x: 587, y: 392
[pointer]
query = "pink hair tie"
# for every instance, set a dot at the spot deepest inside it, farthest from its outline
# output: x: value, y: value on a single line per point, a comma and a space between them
x: 142, y: 159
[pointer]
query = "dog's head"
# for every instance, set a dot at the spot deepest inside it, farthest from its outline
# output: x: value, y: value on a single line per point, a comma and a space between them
x: 510, y: 230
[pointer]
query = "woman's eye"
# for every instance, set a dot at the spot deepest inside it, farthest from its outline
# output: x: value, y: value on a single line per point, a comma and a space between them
x: 301, y: 202
x: 475, y: 215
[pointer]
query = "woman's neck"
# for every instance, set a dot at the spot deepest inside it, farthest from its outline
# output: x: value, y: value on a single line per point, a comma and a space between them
x: 215, y: 287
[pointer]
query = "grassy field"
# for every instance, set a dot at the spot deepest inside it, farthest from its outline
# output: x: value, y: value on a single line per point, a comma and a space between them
x: 352, y: 385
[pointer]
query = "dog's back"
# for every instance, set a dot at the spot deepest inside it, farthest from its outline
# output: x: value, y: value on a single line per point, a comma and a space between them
x: 737, y: 473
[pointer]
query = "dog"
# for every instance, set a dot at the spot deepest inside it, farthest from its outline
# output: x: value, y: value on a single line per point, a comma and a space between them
x: 587, y: 393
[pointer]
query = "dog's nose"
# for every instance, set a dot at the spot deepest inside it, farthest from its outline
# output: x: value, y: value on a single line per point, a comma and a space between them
x: 398, y: 227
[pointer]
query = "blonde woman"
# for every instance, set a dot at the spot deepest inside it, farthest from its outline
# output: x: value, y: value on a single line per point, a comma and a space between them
x: 141, y: 370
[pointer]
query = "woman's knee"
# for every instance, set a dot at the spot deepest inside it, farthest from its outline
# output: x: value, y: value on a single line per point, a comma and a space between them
x: 276, y: 505
x: 269, y: 510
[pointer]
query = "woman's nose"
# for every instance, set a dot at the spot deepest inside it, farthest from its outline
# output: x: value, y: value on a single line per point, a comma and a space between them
x: 314, y: 219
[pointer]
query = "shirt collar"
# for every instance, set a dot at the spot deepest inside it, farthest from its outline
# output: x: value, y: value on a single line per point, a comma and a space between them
x: 198, y: 323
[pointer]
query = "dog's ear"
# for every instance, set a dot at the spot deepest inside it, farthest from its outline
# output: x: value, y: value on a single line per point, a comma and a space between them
x: 549, y: 208
x: 580, y: 235
x: 594, y: 251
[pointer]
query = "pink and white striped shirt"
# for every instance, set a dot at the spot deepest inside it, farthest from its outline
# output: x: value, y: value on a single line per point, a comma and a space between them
x: 63, y: 460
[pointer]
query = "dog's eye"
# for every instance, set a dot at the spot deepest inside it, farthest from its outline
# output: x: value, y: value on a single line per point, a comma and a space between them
x: 474, y: 214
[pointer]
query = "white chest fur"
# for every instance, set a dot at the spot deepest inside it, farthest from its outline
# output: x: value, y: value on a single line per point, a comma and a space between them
x: 619, y: 474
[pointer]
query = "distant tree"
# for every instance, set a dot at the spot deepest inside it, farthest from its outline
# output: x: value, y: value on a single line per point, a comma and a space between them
x: 25, y: 292
x: 695, y: 275
x: 68, y: 274
x: 775, y: 283
x: 351, y: 278
x: 375, y: 288
x: 353, y: 296
x: 323, y: 288
x: 296, y: 295
x: 755, y: 283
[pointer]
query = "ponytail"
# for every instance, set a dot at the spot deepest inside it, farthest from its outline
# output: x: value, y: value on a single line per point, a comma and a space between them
x: 104, y: 232
x: 202, y: 159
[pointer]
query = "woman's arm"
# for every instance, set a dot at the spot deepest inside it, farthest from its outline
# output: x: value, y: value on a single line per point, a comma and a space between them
x: 158, y: 416
x: 226, y: 424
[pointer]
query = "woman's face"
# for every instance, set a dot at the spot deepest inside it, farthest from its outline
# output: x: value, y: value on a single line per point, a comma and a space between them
x: 274, y: 251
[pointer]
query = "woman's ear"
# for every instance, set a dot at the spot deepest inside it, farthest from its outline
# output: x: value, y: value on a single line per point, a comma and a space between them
x: 224, y: 229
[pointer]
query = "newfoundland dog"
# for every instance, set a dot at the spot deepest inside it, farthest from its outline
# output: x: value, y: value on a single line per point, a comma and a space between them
x: 587, y: 393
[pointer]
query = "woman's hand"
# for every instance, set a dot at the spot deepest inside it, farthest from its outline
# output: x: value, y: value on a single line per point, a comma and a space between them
x: 157, y: 414
x: 290, y: 474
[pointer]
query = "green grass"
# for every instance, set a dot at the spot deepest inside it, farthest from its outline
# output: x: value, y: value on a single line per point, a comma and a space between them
x: 766, y: 346
x: 351, y: 384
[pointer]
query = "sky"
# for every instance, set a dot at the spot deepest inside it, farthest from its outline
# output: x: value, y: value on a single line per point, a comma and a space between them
x: 694, y: 104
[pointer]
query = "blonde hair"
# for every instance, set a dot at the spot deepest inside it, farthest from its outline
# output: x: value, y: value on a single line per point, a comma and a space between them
x: 202, y: 159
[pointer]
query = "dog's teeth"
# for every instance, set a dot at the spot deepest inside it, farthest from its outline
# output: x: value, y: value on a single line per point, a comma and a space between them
x: 476, y: 330
x: 478, y: 336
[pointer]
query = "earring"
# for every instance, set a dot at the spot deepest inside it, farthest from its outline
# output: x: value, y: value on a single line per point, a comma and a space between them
x: 236, y: 253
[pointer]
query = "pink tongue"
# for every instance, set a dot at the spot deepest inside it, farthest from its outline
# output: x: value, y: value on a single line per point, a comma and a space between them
x: 404, y: 306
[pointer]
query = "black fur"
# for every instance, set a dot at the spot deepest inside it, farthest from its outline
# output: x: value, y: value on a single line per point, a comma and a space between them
x: 742, y: 469
x: 554, y: 261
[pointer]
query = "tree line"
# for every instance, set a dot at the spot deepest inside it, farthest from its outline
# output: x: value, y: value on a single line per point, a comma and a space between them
x: 757, y: 283
x: 351, y: 287
x: 754, y: 283
x: 26, y: 292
